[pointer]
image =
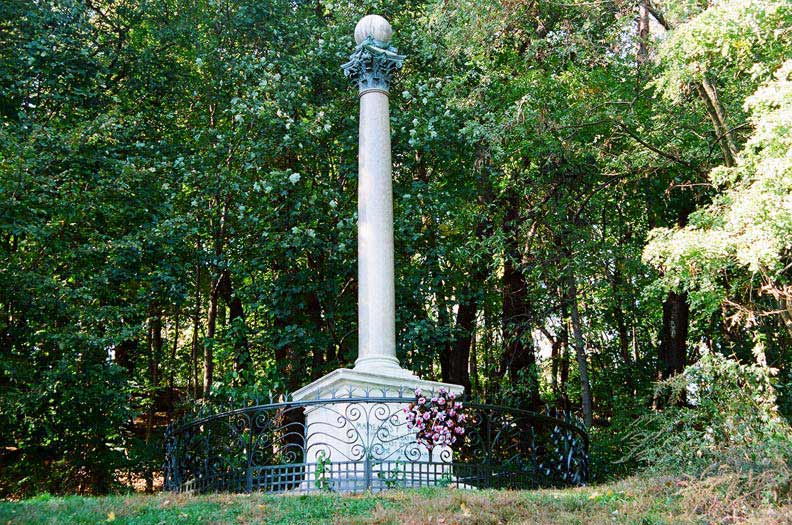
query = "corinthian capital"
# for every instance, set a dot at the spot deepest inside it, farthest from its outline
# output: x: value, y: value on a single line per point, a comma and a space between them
x: 374, y: 59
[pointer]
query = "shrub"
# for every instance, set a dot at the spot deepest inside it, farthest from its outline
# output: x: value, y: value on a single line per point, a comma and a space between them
x: 63, y: 426
x: 721, y: 422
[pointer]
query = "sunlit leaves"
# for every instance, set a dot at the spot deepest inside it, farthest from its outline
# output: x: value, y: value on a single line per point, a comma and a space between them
x: 749, y: 225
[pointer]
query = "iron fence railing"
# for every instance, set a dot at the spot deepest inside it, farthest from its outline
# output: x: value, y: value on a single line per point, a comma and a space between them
x: 367, y: 446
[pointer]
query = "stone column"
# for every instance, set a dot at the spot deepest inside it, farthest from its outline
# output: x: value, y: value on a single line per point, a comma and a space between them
x: 371, y: 67
x: 362, y: 437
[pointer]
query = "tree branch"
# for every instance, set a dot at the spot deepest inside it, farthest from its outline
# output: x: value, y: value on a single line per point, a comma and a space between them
x: 655, y: 149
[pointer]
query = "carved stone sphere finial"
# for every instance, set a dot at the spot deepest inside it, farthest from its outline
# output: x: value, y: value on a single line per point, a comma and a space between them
x: 374, y: 26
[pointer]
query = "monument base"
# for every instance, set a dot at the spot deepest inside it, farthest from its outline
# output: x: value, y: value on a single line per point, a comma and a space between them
x: 355, y: 441
x: 358, y: 382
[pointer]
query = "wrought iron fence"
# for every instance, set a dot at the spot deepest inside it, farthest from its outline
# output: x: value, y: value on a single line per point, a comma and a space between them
x: 366, y: 444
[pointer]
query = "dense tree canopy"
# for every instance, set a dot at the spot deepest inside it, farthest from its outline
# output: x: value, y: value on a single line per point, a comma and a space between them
x: 588, y: 196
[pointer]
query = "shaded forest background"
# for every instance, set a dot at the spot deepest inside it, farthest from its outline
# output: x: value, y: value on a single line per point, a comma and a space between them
x: 588, y: 197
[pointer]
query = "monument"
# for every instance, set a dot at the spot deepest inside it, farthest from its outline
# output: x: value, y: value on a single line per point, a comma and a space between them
x: 377, y: 371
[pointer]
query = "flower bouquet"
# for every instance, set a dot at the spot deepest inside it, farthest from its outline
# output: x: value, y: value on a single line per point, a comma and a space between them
x: 437, y: 420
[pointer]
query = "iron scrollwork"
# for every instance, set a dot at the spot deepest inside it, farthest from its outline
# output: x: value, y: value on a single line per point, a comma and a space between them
x: 269, y: 447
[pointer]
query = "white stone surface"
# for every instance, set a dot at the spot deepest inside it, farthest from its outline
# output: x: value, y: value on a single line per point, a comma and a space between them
x: 376, y: 293
x: 345, y: 382
x: 374, y: 26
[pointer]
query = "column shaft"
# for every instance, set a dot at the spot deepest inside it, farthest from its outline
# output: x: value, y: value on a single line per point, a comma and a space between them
x: 376, y: 294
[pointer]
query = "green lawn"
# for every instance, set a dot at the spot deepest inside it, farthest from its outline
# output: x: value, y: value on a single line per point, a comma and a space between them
x: 632, y: 501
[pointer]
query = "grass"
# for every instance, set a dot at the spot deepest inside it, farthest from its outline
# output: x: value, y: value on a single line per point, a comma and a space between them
x: 636, y: 500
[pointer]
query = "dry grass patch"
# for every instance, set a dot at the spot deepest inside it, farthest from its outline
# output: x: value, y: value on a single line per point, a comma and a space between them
x: 644, y: 501
x: 620, y: 503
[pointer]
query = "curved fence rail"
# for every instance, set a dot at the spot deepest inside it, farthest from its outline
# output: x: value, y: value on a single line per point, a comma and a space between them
x: 366, y: 445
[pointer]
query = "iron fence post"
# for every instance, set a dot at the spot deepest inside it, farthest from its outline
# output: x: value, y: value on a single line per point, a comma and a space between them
x: 368, y: 470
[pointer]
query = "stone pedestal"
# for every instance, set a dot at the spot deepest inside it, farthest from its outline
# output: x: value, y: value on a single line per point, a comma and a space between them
x: 358, y: 442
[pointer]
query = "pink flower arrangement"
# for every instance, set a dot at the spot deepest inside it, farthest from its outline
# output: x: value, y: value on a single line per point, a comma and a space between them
x: 438, y: 421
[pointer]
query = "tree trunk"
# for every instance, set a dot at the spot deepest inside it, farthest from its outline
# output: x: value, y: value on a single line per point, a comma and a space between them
x: 556, y: 353
x: 716, y: 113
x: 155, y: 352
x: 211, y: 327
x: 174, y: 349
x: 290, y: 365
x: 319, y: 352
x: 643, y: 31
x: 676, y: 310
x: 459, y: 360
x: 219, y: 234
x: 156, y: 348
x: 474, y: 370
x: 580, y: 352
x: 518, y: 357
x: 125, y: 355
x: 563, y: 373
x: 563, y: 380
x: 673, y: 339
x: 487, y: 389
x: 785, y: 307
x: 616, y: 282
x: 236, y: 319
x: 556, y: 347
x: 196, y: 318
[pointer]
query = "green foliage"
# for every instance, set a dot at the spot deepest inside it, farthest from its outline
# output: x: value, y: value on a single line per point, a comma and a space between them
x: 323, y: 471
x: 742, y: 240
x: 393, y: 478
x: 74, y: 428
x: 747, y: 38
x: 720, y: 417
